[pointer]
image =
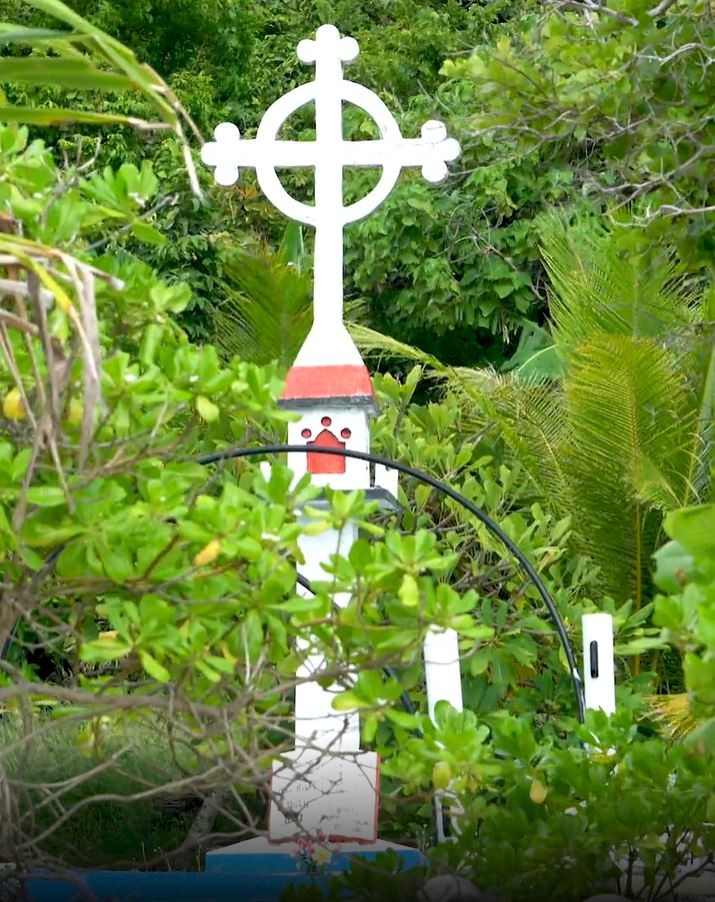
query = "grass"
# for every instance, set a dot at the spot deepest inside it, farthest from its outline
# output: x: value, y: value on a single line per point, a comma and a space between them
x: 55, y: 766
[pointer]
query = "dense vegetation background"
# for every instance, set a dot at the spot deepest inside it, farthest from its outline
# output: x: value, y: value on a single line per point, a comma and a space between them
x: 556, y: 290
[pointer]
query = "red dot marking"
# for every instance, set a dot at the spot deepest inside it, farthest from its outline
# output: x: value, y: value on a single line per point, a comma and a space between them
x: 345, y: 433
x: 306, y: 433
x: 326, y: 421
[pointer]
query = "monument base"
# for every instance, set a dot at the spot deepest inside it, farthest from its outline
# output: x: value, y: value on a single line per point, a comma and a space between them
x: 255, y: 870
x: 254, y: 861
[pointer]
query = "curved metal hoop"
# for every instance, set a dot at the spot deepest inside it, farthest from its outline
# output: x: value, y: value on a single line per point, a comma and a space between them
x: 484, y: 518
x: 443, y: 488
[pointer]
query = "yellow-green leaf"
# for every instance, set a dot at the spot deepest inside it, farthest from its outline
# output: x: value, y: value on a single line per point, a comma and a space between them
x: 207, y: 410
x: 409, y: 592
x: 538, y: 792
x: 155, y: 670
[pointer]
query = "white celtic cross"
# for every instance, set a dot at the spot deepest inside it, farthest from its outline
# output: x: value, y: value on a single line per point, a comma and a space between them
x: 328, y: 155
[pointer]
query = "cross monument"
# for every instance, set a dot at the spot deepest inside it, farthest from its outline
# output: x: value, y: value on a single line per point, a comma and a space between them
x: 329, y: 387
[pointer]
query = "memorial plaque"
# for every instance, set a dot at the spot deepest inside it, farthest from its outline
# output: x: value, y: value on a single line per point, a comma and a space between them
x: 320, y: 791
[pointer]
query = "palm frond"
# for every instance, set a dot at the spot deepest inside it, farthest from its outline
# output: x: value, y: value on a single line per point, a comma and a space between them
x: 527, y: 413
x: 376, y: 343
x: 697, y: 362
x: 625, y: 433
x: 624, y: 401
x: 673, y: 714
x: 266, y: 311
x: 598, y: 287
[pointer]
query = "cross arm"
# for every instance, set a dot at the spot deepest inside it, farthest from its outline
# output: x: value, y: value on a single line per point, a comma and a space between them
x: 432, y: 151
x: 229, y: 153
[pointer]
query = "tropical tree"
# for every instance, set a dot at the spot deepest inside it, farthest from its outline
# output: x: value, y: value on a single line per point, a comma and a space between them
x: 617, y: 94
x: 613, y: 421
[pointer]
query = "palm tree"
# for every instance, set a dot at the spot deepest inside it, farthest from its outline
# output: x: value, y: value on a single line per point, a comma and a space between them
x: 623, y: 432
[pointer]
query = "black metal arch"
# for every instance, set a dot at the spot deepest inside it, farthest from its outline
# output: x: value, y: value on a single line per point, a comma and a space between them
x: 443, y: 488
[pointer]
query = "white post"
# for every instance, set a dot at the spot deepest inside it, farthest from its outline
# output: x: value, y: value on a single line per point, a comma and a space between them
x: 598, y: 662
x: 442, y: 673
x: 444, y: 683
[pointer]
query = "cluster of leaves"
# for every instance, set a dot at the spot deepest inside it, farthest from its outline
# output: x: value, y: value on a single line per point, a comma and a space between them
x: 602, y: 810
x: 546, y: 826
x: 612, y: 420
x: 617, y: 94
x: 687, y: 613
x: 520, y: 664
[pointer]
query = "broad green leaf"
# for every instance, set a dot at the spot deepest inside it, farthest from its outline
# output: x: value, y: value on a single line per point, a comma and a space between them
x: 673, y: 567
x: 116, y: 562
x: 694, y: 528
x: 347, y: 701
x: 155, y: 670
x: 207, y: 410
x: 146, y: 232
x: 409, y: 592
x: 46, y: 495
x: 61, y: 73
x: 104, y: 650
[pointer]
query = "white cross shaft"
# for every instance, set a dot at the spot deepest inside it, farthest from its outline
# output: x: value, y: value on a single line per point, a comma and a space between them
x: 329, y: 154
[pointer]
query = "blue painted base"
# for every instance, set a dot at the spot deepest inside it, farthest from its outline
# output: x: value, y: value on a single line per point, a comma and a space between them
x: 254, y: 871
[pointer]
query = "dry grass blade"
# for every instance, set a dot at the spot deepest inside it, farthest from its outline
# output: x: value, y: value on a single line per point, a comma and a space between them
x: 86, y: 58
x: 673, y: 714
x: 39, y: 274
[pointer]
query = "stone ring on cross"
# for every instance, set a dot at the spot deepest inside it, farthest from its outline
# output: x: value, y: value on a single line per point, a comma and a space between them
x: 329, y: 153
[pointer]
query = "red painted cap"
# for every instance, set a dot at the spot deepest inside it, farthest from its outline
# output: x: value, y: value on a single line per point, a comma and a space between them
x: 323, y: 382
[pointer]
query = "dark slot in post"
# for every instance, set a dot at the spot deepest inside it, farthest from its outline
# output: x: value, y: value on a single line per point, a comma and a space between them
x: 593, y: 653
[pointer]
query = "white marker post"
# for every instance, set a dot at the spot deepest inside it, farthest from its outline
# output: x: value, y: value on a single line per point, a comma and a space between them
x: 598, y: 662
x: 329, y: 386
x: 442, y: 672
x: 444, y: 683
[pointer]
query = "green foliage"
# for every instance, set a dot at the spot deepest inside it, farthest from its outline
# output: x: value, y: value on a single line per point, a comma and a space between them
x: 470, y: 247
x: 540, y: 120
x: 624, y: 433
x: 519, y: 665
x: 271, y: 317
x: 615, y: 96
x: 685, y: 571
x: 551, y: 830
x: 538, y: 816
x: 84, y: 58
